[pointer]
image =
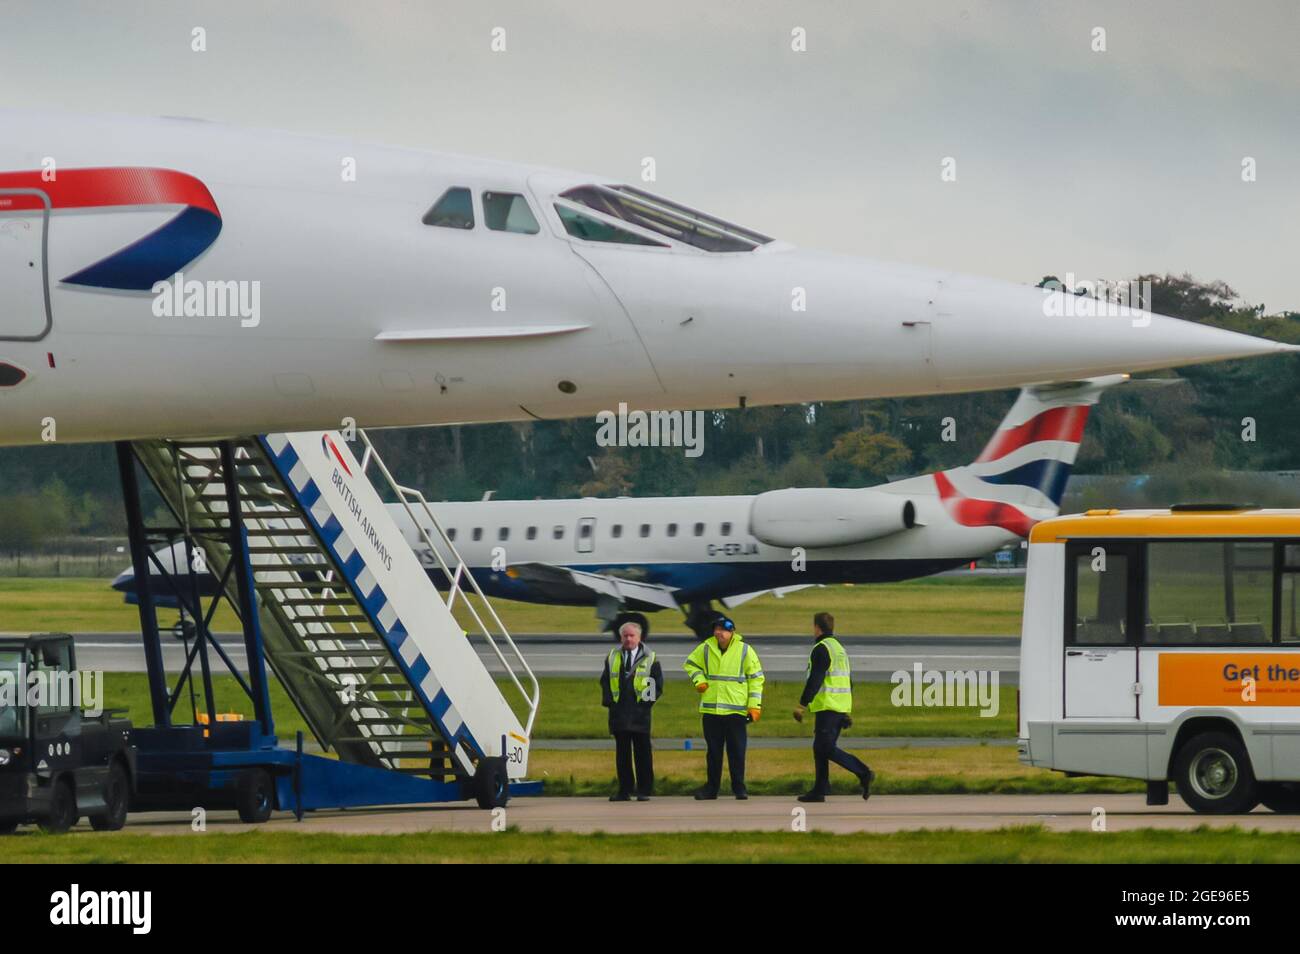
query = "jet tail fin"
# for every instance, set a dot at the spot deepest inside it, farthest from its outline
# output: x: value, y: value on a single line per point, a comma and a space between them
x: 1020, y: 476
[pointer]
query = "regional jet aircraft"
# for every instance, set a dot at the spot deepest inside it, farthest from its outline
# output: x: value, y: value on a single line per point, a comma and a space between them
x: 684, y: 552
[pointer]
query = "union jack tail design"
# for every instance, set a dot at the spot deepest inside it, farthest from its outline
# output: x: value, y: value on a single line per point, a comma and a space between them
x: 1020, y: 476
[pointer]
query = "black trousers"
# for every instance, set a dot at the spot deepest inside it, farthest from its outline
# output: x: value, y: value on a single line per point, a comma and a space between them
x: 729, y: 732
x: 633, y: 748
x: 826, y: 737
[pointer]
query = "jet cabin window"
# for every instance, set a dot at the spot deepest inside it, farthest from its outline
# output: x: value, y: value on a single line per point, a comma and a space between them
x: 508, y: 212
x: 653, y: 214
x: 455, y: 210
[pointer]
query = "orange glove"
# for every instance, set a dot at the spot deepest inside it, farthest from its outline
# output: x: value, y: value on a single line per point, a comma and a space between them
x: 754, y: 714
x: 702, y: 687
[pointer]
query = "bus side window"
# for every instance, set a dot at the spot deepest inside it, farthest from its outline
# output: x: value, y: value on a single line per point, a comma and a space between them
x: 1290, y: 605
x: 1101, y: 594
x: 1209, y: 592
x: 1289, y: 621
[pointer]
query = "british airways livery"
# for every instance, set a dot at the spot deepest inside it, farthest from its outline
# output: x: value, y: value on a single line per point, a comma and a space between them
x: 684, y: 552
x: 390, y: 287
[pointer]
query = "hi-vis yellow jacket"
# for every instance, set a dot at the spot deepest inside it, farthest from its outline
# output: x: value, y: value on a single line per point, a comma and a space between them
x: 836, y: 693
x: 735, y: 677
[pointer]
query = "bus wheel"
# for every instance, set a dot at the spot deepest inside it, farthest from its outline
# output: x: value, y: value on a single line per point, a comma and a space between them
x: 1213, y: 775
x: 1280, y: 797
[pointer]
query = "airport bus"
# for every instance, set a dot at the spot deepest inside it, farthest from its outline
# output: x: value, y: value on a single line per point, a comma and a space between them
x: 1165, y: 645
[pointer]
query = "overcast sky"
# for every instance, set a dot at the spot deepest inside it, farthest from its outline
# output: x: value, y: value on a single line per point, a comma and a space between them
x: 1102, y: 164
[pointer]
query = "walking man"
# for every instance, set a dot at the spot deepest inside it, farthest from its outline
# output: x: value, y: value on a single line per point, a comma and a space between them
x: 828, y: 695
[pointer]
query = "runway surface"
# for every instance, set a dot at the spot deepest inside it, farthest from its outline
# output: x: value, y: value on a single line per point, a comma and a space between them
x: 874, y: 658
x: 839, y: 814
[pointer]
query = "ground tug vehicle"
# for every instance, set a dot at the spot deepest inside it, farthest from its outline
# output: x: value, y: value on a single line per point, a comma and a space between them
x: 56, y: 761
x: 1164, y: 645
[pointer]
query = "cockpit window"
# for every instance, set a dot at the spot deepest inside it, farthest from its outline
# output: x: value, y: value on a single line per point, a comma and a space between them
x: 594, y: 230
x: 669, y: 219
x: 508, y: 212
x: 455, y: 210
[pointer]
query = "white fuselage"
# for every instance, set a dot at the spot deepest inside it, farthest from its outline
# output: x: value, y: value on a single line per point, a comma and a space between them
x: 367, y: 315
x: 700, y: 546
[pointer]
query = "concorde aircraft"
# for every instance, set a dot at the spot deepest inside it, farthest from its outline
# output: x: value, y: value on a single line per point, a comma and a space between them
x: 686, y: 552
x: 177, y: 278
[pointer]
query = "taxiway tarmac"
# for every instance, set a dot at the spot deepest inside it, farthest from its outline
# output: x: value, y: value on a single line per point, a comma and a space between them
x: 838, y: 814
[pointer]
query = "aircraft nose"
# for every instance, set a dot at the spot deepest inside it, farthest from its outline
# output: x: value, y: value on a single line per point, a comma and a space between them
x: 1023, y: 332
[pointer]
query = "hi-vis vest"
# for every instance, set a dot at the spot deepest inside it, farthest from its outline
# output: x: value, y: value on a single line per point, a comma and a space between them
x: 642, y: 684
x: 836, y: 693
x: 735, y: 677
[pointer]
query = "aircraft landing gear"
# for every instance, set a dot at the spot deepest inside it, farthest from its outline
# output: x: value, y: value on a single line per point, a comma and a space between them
x: 699, y: 617
x: 607, y: 610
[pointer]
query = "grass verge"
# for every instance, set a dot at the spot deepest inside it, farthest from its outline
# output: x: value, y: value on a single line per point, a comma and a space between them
x: 955, y: 605
x: 1005, y: 845
x: 571, y: 710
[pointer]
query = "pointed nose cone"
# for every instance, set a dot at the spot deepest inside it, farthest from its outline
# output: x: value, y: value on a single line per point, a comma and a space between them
x: 1159, y: 341
x: 1055, y: 336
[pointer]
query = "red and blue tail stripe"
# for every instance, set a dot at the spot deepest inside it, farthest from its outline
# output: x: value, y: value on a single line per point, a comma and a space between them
x: 970, y: 512
x: 1054, y: 424
x: 1048, y: 475
x: 1011, y: 467
x: 152, y: 259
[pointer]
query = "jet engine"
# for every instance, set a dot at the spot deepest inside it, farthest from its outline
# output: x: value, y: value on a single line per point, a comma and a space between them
x: 828, y: 517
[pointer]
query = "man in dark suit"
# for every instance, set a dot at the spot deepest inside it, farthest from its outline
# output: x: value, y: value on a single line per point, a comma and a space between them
x: 630, y: 685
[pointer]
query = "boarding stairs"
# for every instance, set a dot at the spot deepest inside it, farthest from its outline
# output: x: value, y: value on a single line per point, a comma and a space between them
x: 365, y: 645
